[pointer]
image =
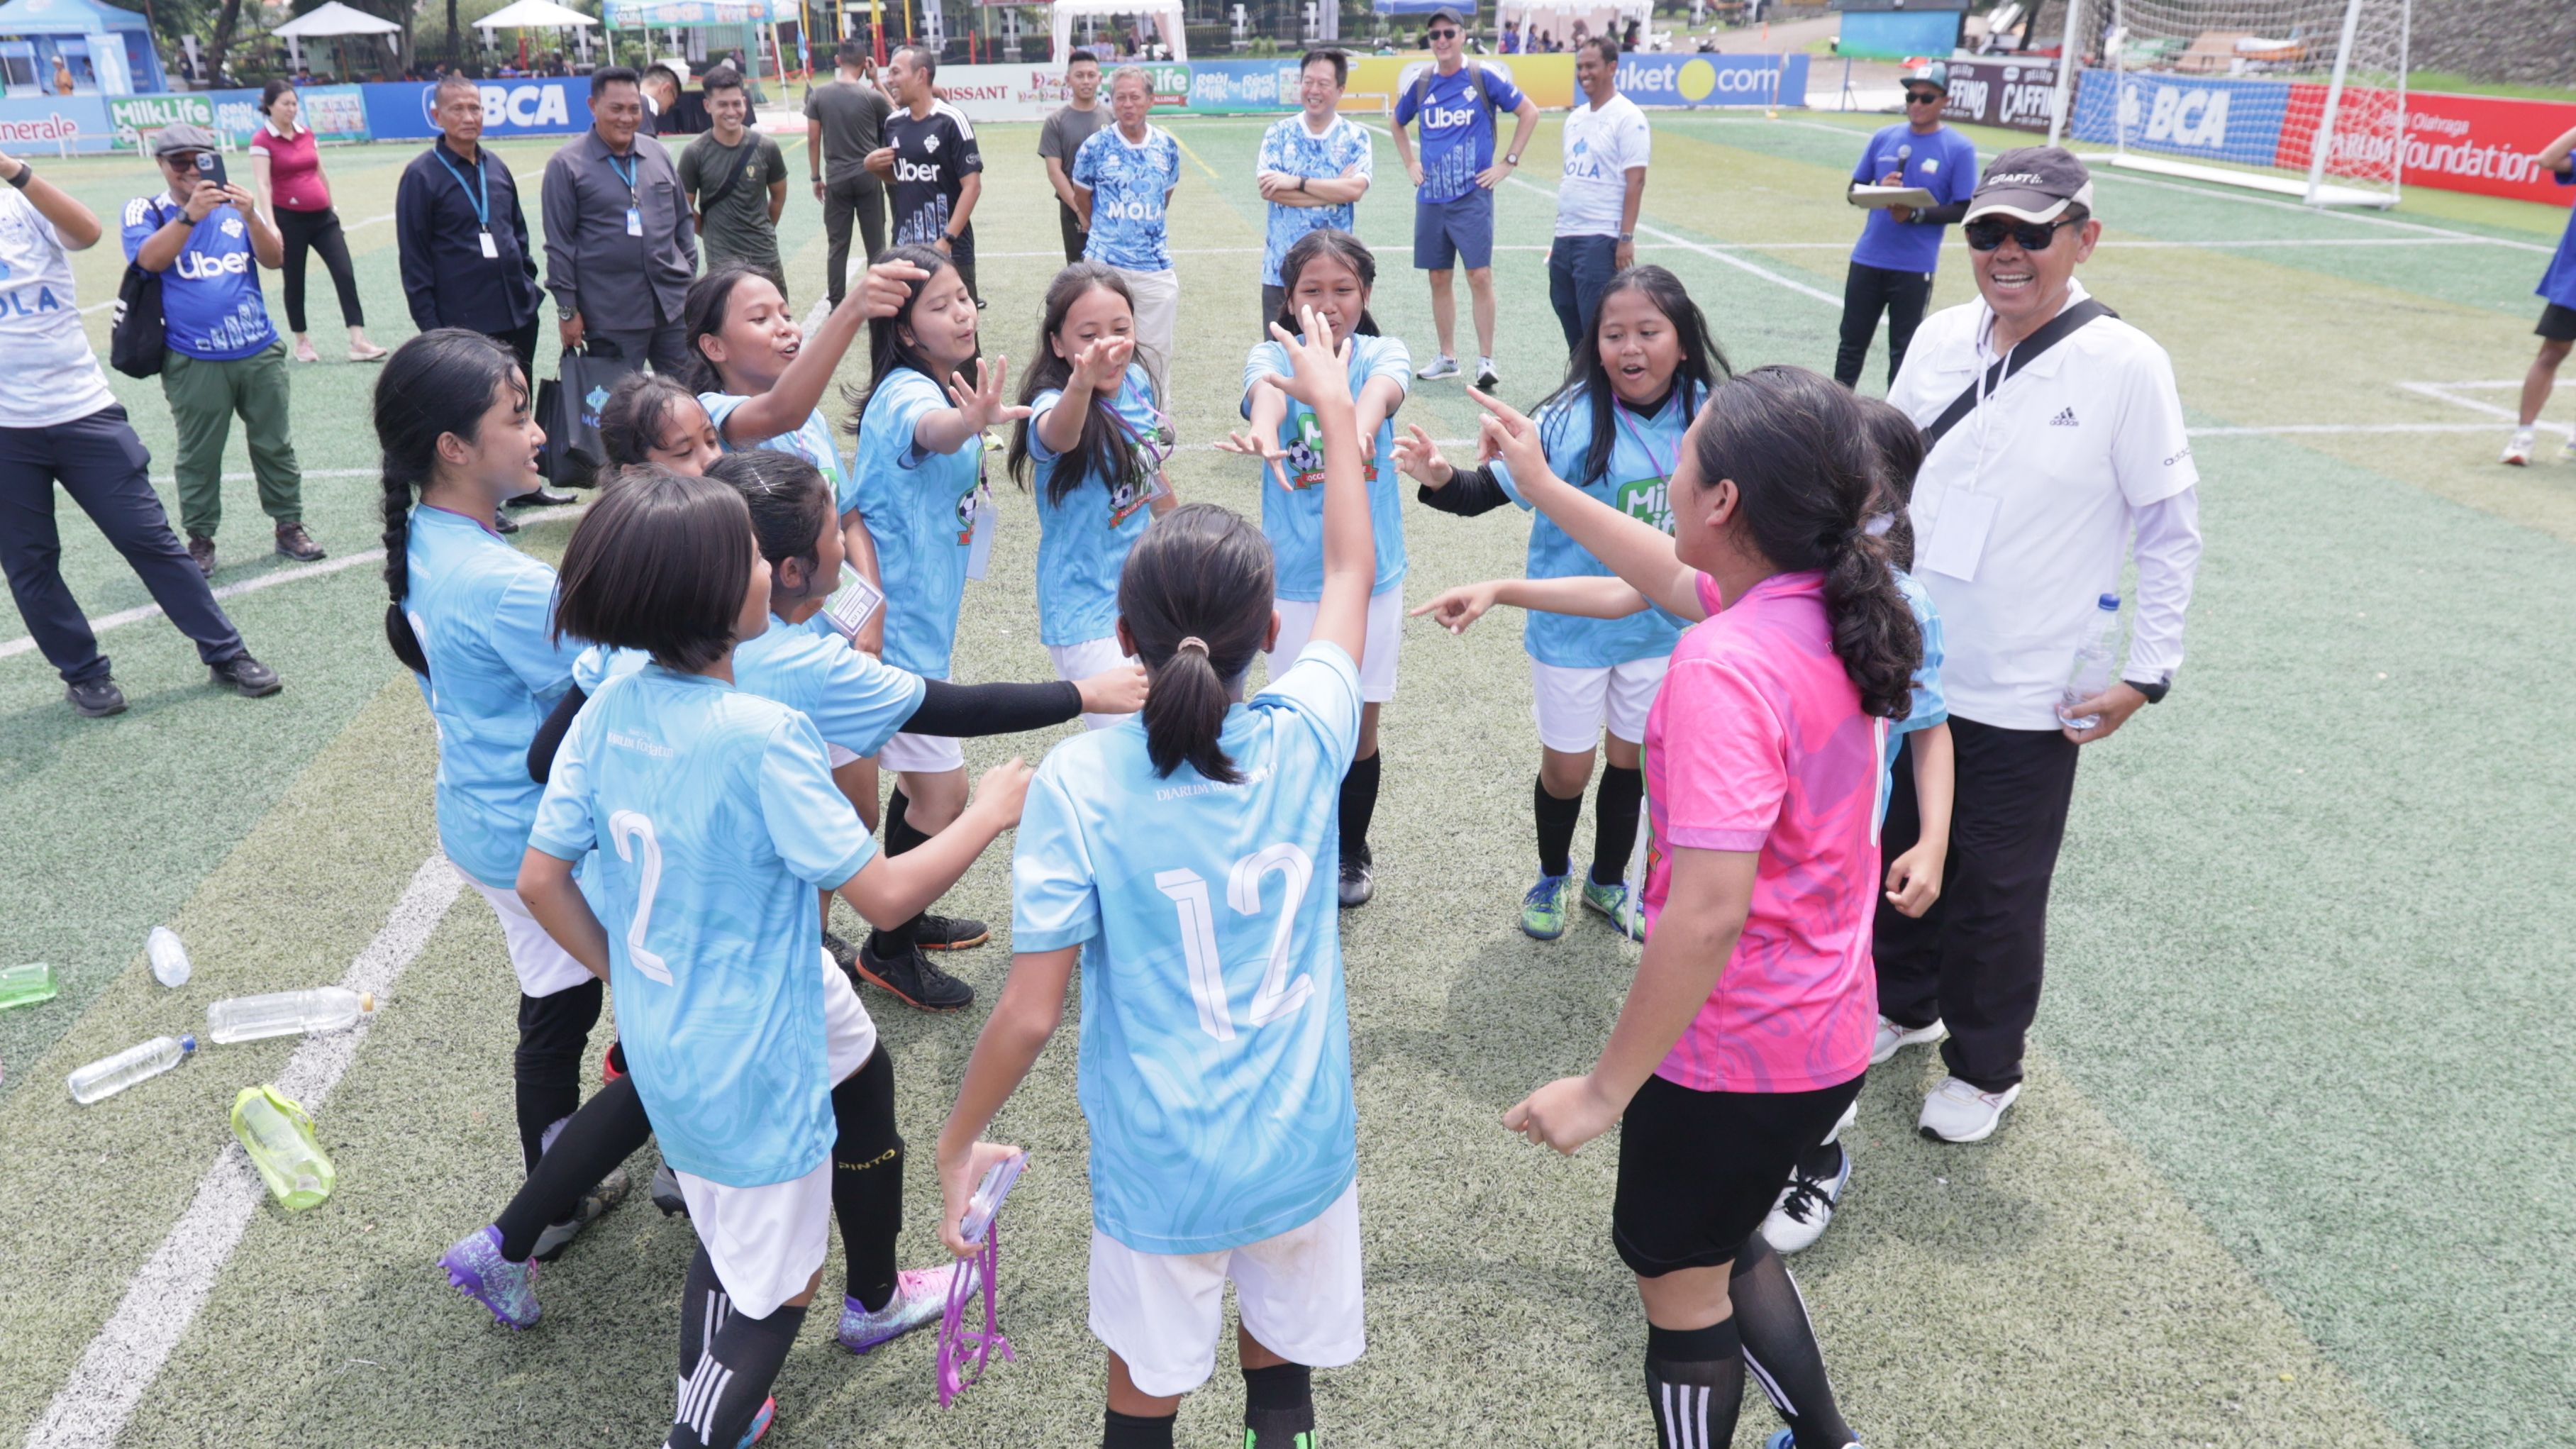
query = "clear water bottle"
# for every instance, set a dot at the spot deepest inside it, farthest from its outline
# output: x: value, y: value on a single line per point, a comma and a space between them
x: 27, y: 985
x: 110, y: 1075
x: 279, y: 1138
x: 2095, y: 659
x: 284, y: 1013
x: 169, y: 958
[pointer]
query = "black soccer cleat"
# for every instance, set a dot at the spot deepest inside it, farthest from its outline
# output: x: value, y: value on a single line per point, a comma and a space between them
x: 910, y: 976
x: 949, y: 933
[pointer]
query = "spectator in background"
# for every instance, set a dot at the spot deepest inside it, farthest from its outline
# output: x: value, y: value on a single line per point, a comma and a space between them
x: 620, y: 248
x: 930, y: 159
x: 1453, y: 205
x: 60, y: 424
x: 1511, y: 37
x: 62, y: 76
x: 1123, y: 179
x: 737, y: 181
x: 1607, y: 144
x: 669, y: 110
x: 207, y: 242
x: 1060, y: 140
x: 1314, y: 168
x: 2557, y: 327
x: 844, y: 121
x: 1892, y: 267
x: 286, y: 176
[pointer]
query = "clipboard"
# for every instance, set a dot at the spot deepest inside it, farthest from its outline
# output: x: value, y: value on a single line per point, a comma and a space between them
x: 1880, y: 197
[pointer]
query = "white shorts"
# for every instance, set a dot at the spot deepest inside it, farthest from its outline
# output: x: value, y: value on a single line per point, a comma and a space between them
x: 922, y: 754
x: 1078, y: 662
x: 1298, y: 1292
x: 839, y: 756
x: 1572, y: 705
x: 849, y: 1033
x: 1385, y: 638
x: 544, y: 968
x: 766, y: 1242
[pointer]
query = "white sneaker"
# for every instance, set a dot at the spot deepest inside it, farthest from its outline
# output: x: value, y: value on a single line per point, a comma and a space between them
x: 2568, y: 454
x: 1441, y: 366
x: 2518, y: 451
x: 1893, y: 1039
x: 1958, y: 1112
x: 1806, y: 1206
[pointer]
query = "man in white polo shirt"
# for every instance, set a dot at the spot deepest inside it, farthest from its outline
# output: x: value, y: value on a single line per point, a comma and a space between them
x: 1607, y: 145
x: 2064, y: 439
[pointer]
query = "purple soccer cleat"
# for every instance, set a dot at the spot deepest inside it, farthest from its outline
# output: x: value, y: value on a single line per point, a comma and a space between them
x: 920, y: 1296
x: 477, y: 1269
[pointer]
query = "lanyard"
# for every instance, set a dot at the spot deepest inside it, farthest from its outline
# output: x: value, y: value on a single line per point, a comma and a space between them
x: 627, y: 175
x: 1663, y: 466
x: 480, y: 194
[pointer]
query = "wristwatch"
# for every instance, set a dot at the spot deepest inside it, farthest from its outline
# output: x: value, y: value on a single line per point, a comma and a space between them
x: 2155, y: 690
x: 1626, y: 237
x: 1511, y: 158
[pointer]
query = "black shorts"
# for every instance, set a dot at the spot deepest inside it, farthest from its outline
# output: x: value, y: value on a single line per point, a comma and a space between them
x: 2557, y: 323
x: 1698, y: 1171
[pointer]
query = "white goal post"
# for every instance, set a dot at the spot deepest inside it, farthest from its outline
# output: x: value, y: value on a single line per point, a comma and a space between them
x: 2306, y: 98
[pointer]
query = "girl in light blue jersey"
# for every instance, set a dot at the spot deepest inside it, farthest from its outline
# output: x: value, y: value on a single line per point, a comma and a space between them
x: 473, y: 619
x: 1098, y: 439
x: 1615, y: 429
x: 714, y: 816
x: 1179, y: 857
x: 651, y: 418
x: 1332, y: 273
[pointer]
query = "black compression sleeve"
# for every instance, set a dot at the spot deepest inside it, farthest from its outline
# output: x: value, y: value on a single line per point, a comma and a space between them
x: 1471, y: 491
x: 963, y: 710
x: 541, y: 750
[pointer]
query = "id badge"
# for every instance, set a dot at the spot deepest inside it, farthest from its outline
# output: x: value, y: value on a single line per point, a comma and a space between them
x: 852, y: 604
x: 1959, y: 537
x: 979, y: 548
x: 491, y: 248
x: 634, y: 221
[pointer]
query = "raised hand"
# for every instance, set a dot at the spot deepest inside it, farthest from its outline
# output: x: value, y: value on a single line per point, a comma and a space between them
x: 1102, y: 365
x: 1319, y: 372
x: 1508, y: 434
x: 981, y: 404
x: 1259, y: 444
x: 1418, y: 458
x: 884, y: 289
x: 1457, y: 608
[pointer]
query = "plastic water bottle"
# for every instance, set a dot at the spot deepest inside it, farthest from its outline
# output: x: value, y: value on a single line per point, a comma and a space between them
x: 283, y: 1013
x: 279, y: 1138
x: 27, y: 985
x: 169, y: 958
x: 2095, y: 659
x: 110, y: 1075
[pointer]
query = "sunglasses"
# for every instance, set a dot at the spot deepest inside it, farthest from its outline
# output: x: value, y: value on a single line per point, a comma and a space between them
x: 1444, y: 35
x: 1986, y: 234
x: 1922, y: 98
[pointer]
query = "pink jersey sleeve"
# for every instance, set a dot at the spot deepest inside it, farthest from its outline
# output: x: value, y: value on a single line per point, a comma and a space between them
x: 1721, y: 790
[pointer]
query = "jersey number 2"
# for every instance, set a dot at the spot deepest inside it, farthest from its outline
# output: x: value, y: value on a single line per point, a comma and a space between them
x: 634, y: 836
x: 1277, y: 997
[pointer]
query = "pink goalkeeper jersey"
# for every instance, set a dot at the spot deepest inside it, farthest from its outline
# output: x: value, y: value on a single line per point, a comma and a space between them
x: 1757, y: 742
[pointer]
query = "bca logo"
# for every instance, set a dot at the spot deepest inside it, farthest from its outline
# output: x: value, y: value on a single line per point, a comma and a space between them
x: 507, y: 106
x: 2177, y: 116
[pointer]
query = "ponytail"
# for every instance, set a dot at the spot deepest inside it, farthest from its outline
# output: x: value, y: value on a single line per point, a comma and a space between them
x: 438, y: 383
x: 398, y: 486
x: 1195, y: 597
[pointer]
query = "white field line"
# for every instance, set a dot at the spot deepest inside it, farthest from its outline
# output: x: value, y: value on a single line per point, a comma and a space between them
x: 1765, y: 273
x: 165, y: 1295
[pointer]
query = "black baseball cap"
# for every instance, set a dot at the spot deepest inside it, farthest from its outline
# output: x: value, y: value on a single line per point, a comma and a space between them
x: 1450, y: 14
x: 2032, y: 183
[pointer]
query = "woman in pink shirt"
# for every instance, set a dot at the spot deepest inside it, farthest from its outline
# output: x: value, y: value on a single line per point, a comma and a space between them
x: 286, y: 176
x: 1751, y: 1018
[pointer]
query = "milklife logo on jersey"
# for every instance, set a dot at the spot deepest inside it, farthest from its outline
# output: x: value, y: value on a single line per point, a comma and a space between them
x: 1306, y: 455
x: 1648, y: 500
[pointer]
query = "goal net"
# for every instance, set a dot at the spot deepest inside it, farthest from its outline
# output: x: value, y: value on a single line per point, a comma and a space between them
x: 2302, y: 97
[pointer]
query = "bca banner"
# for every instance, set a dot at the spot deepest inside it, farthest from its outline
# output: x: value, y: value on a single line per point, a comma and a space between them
x: 555, y: 106
x: 2212, y: 117
x: 2016, y: 95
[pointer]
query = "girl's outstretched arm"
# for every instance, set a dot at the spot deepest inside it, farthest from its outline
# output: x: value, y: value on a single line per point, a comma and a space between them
x: 1320, y: 378
x: 1635, y: 550
x: 1586, y: 597
x: 799, y: 390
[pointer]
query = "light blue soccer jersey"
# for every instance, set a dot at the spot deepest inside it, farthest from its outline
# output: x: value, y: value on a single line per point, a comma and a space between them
x: 1931, y: 706
x: 812, y: 442
x: 1128, y: 183
x: 1290, y: 148
x: 1216, y: 1055
x: 484, y: 614
x: 920, y: 509
x: 1293, y: 517
x: 1643, y: 451
x: 716, y: 820
x: 599, y: 664
x: 855, y: 701
x: 1083, y: 542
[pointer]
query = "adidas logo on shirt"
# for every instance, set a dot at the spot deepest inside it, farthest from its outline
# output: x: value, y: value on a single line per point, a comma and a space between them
x: 2065, y: 419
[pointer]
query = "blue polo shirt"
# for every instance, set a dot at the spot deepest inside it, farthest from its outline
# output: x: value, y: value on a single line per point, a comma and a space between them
x: 1943, y: 163
x: 211, y: 305
x: 1457, y: 134
x: 2558, y: 284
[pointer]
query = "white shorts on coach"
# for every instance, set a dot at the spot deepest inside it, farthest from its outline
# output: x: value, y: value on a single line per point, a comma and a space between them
x: 1298, y: 1292
x: 543, y: 967
x: 1385, y: 638
x: 1077, y: 662
x: 1573, y: 705
x: 922, y: 755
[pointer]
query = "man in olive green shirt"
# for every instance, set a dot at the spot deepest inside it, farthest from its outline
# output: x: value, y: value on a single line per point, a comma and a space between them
x: 737, y: 183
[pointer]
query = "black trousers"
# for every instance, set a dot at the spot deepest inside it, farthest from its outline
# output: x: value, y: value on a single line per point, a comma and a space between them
x: 861, y: 196
x: 522, y: 341
x: 106, y: 470
x: 1974, y: 960
x: 318, y: 231
x: 1076, y: 237
x: 1868, y: 291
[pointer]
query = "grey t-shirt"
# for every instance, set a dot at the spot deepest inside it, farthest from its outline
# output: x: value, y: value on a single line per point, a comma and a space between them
x: 1066, y: 130
x: 853, y: 117
x: 736, y: 228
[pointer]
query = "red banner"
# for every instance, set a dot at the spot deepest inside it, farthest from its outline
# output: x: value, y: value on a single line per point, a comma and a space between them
x: 2483, y: 144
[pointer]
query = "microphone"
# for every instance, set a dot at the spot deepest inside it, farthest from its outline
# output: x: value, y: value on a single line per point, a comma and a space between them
x: 1903, y: 152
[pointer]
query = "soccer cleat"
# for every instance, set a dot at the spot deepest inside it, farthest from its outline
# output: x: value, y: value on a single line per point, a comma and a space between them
x: 1486, y: 378
x: 1893, y: 1038
x: 911, y: 977
x: 1300, y: 1439
x: 759, y: 1424
x: 1613, y: 903
x: 920, y: 1296
x: 1806, y: 1206
x: 1788, y: 1439
x: 1543, y: 909
x: 2517, y: 451
x: 1359, y: 881
x: 476, y: 1269
x: 949, y: 933
x: 1441, y: 366
x: 1957, y: 1112
x: 844, y: 955
x: 201, y: 552
x: 666, y: 1192
x: 594, y: 1204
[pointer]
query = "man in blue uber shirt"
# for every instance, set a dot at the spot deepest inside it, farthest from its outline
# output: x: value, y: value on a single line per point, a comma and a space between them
x: 1900, y: 247
x: 1455, y: 177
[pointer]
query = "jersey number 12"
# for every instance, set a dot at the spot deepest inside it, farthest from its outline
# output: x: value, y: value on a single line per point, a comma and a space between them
x: 1277, y: 997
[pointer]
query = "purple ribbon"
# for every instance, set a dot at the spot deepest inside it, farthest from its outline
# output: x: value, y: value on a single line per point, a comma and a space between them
x: 964, y: 1351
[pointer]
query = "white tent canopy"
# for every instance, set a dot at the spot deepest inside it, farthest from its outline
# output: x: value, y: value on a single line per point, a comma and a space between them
x: 534, y: 15
x: 334, y: 19
x: 1162, y: 16
x: 1560, y: 15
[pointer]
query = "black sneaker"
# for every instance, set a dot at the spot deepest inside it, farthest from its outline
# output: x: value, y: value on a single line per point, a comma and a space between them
x: 541, y: 498
x: 504, y: 523
x: 666, y: 1192
x: 911, y: 977
x: 95, y: 698
x: 844, y: 955
x: 949, y: 933
x: 252, y: 678
x: 1358, y: 882
x: 608, y: 1193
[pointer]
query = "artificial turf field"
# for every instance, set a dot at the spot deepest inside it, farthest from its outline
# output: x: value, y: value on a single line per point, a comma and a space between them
x: 2292, y: 1168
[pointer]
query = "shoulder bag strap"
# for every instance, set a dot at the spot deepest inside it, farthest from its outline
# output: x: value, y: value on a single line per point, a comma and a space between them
x: 2059, y: 328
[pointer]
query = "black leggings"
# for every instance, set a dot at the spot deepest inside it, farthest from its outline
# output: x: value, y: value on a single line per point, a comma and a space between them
x: 318, y: 231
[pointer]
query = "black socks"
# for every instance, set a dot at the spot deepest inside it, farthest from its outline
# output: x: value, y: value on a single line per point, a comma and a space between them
x: 1359, y: 807
x: 1135, y: 1431
x: 1614, y: 822
x: 605, y: 1132
x: 867, y: 1179
x: 1555, y: 828
x: 1780, y: 1347
x: 727, y: 1361
x: 899, y: 837
x: 1694, y: 1383
x: 553, y: 1032
x: 1278, y: 1406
